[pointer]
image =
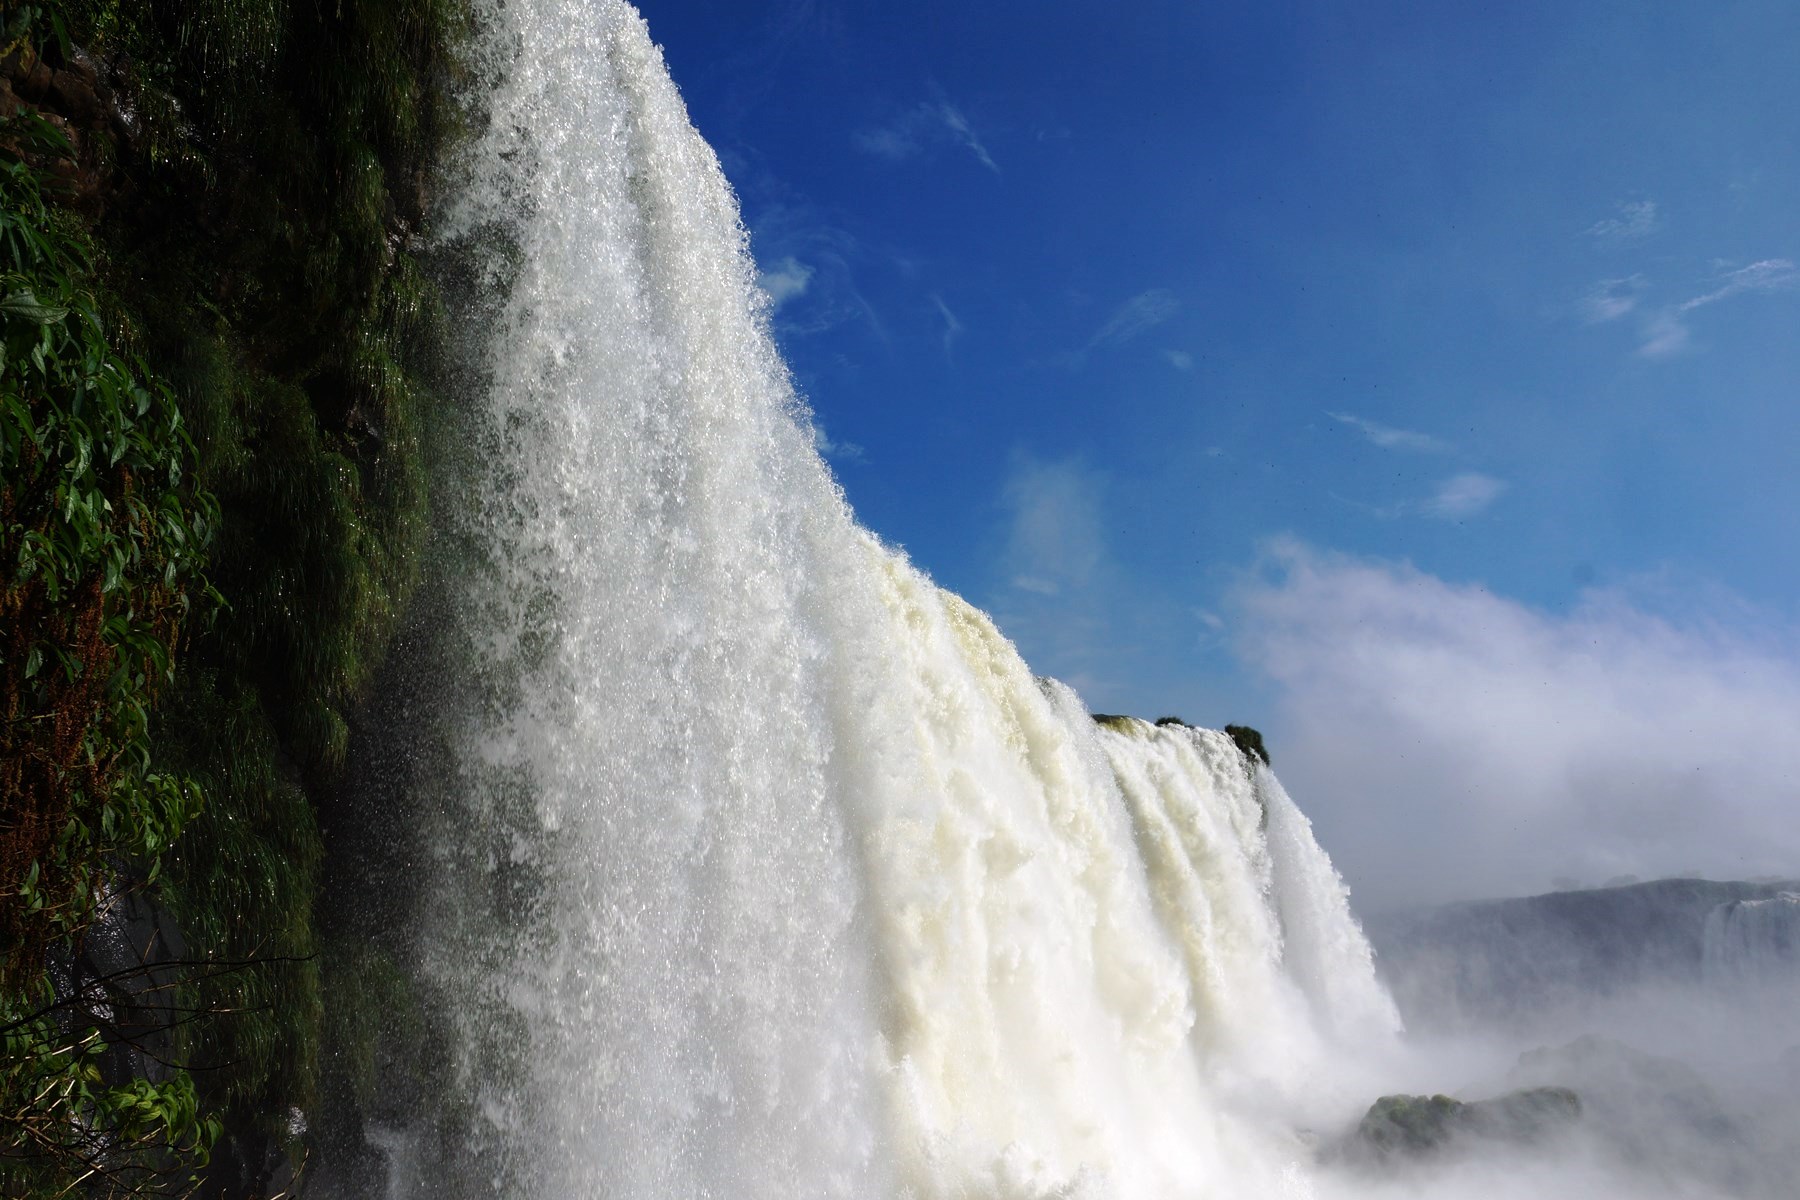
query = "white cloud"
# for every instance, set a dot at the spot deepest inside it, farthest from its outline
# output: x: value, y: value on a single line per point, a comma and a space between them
x: 1637, y: 219
x: 834, y: 450
x: 896, y: 142
x: 1453, y: 742
x: 913, y: 131
x: 958, y: 125
x: 1769, y: 275
x: 813, y: 277
x: 1664, y: 334
x: 1667, y: 333
x: 1181, y: 360
x: 1463, y: 495
x: 953, y: 328
x: 1611, y: 299
x: 1054, y: 539
x: 1031, y: 583
x: 787, y: 279
x: 1390, y: 438
x: 1138, y: 315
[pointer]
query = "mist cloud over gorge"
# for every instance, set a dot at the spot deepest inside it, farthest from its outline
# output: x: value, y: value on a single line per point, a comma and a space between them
x: 1451, y: 742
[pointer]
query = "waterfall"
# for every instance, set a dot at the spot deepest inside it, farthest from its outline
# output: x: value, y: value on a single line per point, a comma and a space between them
x: 764, y: 867
x: 1752, y: 941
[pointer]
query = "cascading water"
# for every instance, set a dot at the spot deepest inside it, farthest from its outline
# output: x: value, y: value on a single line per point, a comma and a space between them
x: 1752, y: 941
x: 765, y: 867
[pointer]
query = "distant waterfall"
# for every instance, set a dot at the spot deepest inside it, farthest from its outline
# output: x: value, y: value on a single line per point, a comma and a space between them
x: 1752, y: 941
x: 765, y: 867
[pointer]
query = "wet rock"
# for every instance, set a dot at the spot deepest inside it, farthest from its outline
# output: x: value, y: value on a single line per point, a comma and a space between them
x: 73, y: 95
x: 1414, y: 1128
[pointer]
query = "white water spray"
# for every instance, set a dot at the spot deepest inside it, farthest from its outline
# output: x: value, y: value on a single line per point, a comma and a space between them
x: 768, y: 869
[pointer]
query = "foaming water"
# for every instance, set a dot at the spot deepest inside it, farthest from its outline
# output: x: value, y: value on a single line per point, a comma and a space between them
x: 766, y: 867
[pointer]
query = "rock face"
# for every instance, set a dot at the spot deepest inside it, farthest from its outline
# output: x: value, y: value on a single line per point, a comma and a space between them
x: 76, y: 99
x: 1399, y: 1129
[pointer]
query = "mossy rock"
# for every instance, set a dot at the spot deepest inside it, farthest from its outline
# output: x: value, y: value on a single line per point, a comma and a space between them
x: 1118, y: 723
x: 1249, y: 741
x: 1401, y: 1128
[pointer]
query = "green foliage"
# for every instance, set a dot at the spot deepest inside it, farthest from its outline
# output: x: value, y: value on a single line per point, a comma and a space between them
x: 263, y: 212
x: 63, y: 1121
x: 1249, y: 743
x: 102, y: 545
x: 243, y: 893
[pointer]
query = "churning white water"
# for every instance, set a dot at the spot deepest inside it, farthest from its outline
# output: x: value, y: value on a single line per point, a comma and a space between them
x: 768, y: 868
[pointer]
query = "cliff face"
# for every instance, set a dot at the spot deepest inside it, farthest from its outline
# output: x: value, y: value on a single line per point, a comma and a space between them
x: 1513, y: 962
x: 236, y: 199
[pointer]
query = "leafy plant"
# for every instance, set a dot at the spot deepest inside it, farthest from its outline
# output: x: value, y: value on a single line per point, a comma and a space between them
x: 102, y: 550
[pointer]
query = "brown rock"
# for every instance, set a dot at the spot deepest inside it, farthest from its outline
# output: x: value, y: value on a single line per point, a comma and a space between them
x: 83, y: 68
x: 74, y: 97
x: 34, y: 84
x: 17, y: 64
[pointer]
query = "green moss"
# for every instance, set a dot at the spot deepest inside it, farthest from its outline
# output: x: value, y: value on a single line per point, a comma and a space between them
x: 1129, y: 726
x: 1249, y: 742
x: 259, y: 250
x: 1420, y: 1127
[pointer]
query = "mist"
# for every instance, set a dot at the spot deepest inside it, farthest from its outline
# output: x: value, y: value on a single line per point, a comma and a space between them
x: 1451, y: 742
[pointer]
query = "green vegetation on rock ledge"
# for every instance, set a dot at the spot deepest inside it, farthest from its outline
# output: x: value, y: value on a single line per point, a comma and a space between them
x: 220, y: 337
x: 1250, y: 742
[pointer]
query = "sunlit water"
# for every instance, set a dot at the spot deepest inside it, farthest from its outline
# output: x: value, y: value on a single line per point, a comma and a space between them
x: 767, y: 868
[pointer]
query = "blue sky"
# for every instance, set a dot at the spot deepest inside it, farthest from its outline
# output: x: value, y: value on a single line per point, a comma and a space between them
x: 1200, y: 342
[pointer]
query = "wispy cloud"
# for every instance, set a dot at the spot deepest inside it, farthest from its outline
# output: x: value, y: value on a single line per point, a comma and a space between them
x: 787, y: 279
x: 1054, y: 541
x: 1771, y: 274
x: 1450, y: 741
x: 835, y: 450
x: 1456, y: 498
x: 959, y: 127
x: 1611, y: 299
x: 1390, y: 438
x: 1138, y: 315
x: 913, y: 131
x: 1667, y: 333
x: 812, y: 279
x: 1636, y: 220
x: 1132, y: 319
x: 1464, y: 495
x: 953, y: 328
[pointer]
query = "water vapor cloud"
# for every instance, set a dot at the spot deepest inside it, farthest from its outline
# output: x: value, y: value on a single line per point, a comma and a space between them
x: 786, y: 280
x: 932, y: 121
x: 1390, y: 438
x: 1667, y: 332
x: 1634, y: 221
x: 1453, y: 742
